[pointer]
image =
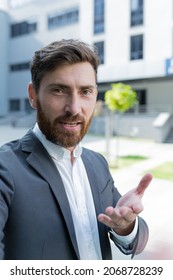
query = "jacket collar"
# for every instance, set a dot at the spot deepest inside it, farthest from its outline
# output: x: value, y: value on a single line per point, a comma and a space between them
x: 41, y: 161
x: 57, y: 152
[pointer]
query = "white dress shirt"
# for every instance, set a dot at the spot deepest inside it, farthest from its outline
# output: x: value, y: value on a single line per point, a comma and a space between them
x: 80, y: 198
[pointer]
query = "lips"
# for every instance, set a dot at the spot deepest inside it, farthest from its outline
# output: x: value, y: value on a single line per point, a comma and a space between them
x: 71, y: 126
x: 70, y: 123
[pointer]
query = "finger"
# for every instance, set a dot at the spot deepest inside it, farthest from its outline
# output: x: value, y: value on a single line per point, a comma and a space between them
x: 106, y: 220
x: 122, y: 213
x: 128, y: 214
x: 110, y: 218
x: 111, y: 211
x: 143, y: 184
x: 117, y: 220
x: 137, y: 208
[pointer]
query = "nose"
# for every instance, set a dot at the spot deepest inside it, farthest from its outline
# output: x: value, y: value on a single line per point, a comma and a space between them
x: 73, y: 105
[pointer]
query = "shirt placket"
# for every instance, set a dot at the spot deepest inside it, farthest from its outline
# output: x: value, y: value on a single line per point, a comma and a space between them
x: 83, y: 213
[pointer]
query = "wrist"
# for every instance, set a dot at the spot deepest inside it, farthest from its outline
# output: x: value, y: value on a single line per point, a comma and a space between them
x: 124, y: 231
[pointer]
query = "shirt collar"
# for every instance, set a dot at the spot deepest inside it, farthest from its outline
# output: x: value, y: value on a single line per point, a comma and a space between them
x: 57, y: 152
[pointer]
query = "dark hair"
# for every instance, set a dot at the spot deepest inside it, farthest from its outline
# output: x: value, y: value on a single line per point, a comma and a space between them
x: 58, y: 53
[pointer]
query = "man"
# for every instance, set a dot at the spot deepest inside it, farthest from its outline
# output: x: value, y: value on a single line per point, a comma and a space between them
x: 57, y: 199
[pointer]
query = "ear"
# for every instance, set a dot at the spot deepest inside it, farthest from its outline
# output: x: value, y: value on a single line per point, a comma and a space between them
x: 32, y: 96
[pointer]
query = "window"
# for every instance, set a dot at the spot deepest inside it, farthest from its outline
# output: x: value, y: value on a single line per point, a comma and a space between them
x: 100, y: 48
x: 137, y: 12
x: 27, y: 105
x: 101, y: 95
x: 14, y: 105
x: 142, y: 102
x: 19, y: 66
x: 98, y: 16
x: 22, y: 28
x: 63, y: 19
x: 136, y: 47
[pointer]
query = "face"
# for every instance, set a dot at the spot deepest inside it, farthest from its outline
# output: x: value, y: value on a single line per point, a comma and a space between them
x: 65, y: 103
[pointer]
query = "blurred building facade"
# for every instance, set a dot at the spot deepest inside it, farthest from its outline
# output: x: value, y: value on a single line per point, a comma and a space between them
x: 134, y: 39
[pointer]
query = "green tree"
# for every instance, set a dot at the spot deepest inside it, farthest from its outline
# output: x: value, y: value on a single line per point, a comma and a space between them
x: 119, y: 98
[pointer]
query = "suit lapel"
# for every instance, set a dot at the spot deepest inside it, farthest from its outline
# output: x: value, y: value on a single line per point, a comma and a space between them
x: 40, y: 160
x: 96, y: 192
x: 93, y: 183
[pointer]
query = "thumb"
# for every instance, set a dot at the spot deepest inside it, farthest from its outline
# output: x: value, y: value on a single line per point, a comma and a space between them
x: 143, y: 184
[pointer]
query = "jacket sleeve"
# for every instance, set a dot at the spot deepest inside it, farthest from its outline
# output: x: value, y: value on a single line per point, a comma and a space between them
x: 6, y: 194
x: 139, y: 242
x: 109, y: 197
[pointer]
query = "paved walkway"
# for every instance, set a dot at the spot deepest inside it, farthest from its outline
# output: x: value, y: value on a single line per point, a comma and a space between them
x: 158, y: 199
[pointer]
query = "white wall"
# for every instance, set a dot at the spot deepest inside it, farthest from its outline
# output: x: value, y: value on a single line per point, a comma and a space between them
x: 157, y: 30
x: 159, y: 93
x: 22, y: 48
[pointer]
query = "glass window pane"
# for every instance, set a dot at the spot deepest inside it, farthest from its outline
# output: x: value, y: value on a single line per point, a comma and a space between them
x: 136, y: 47
x: 22, y: 28
x: 136, y: 17
x: 63, y: 19
x: 98, y: 16
x: 100, y: 48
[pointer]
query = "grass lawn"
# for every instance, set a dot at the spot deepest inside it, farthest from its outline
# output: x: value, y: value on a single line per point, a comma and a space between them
x: 125, y: 161
x: 163, y: 171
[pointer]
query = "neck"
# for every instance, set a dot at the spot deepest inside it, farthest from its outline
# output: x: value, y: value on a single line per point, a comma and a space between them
x: 72, y: 158
x: 71, y: 149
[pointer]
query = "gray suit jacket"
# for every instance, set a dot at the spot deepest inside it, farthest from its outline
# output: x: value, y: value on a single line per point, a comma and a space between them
x: 35, y: 217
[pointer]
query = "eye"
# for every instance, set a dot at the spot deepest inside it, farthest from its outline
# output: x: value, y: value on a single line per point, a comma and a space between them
x: 87, y: 92
x: 58, y: 91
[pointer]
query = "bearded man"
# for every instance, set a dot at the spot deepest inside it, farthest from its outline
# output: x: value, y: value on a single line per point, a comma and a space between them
x: 57, y: 199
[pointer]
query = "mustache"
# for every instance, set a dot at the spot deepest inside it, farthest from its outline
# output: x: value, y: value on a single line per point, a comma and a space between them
x: 69, y: 118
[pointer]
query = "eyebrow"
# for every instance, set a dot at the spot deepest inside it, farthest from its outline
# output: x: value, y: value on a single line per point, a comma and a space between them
x: 61, y: 85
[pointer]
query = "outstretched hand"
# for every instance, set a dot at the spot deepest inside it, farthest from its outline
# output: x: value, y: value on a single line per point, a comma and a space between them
x: 122, y: 218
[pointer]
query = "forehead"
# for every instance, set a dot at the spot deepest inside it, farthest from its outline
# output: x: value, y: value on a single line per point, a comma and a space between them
x: 78, y: 73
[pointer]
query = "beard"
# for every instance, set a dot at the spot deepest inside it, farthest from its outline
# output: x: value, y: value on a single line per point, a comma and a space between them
x: 57, y: 134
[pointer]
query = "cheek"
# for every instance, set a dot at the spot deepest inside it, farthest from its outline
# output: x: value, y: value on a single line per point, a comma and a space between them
x: 89, y: 109
x: 52, y: 108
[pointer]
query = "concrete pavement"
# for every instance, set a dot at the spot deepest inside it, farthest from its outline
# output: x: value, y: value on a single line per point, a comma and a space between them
x: 158, y: 199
